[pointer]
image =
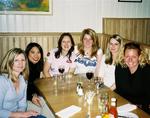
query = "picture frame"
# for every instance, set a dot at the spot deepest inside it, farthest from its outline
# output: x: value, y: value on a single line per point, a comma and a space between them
x: 130, y: 1
x: 26, y: 7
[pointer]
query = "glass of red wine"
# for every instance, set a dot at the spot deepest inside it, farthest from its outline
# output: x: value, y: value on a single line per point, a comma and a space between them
x: 89, y: 76
x: 61, y: 70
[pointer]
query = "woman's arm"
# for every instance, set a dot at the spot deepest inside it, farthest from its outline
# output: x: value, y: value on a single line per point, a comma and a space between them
x: 99, y: 58
x: 102, y: 67
x: 46, y: 69
x: 4, y: 113
x: 23, y: 102
x: 23, y: 114
x: 113, y: 87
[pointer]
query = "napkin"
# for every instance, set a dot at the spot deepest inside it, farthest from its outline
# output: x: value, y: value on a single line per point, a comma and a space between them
x: 68, y: 112
x: 126, y: 108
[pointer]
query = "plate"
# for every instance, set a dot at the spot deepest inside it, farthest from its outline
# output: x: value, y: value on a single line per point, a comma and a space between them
x: 127, y: 115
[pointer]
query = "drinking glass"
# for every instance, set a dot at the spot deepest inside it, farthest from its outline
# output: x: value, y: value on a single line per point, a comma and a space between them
x: 89, y: 76
x: 98, y: 83
x: 55, y: 84
x: 89, y: 96
x: 61, y: 70
x: 103, y: 102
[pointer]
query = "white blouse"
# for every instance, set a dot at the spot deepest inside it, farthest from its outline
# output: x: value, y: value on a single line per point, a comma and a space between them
x: 107, y: 72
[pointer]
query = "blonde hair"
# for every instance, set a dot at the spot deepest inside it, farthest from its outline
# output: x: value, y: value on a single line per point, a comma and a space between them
x: 95, y: 44
x: 136, y: 46
x: 108, y: 55
x: 7, y: 64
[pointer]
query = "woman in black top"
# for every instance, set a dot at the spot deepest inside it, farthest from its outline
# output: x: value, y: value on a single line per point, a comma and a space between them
x: 132, y: 76
x: 34, y: 53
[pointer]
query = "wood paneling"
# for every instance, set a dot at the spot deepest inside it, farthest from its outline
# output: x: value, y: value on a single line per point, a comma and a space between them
x: 137, y: 29
x: 46, y: 40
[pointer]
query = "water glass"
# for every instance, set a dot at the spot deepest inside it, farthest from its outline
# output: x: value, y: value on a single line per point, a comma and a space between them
x: 55, y: 83
x: 103, y: 102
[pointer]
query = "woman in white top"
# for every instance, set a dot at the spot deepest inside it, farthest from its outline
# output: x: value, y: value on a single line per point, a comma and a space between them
x: 88, y: 53
x: 63, y: 55
x: 107, y: 68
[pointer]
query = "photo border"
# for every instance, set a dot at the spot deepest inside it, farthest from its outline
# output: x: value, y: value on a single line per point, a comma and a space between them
x: 130, y: 1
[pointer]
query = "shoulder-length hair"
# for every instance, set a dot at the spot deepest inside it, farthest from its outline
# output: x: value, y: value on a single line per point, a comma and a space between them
x: 59, y: 51
x: 136, y: 46
x: 108, y: 55
x: 8, y: 61
x: 40, y: 63
x: 95, y: 44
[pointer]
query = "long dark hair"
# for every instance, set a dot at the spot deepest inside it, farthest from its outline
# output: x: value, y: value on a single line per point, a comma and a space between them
x: 57, y: 53
x: 41, y: 61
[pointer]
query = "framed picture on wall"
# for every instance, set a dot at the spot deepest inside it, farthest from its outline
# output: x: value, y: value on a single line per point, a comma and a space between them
x: 26, y: 7
x: 129, y: 0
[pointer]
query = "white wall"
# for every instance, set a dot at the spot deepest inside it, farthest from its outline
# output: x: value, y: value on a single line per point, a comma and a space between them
x: 74, y: 15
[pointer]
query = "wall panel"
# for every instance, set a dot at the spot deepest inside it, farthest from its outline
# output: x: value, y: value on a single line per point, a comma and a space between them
x: 46, y: 40
x: 136, y: 29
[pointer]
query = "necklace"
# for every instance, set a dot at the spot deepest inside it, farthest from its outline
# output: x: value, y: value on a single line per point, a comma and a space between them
x: 86, y: 53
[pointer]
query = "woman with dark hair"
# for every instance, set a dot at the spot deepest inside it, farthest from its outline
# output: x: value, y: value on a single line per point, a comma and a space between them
x: 61, y: 56
x: 132, y: 76
x: 34, y: 54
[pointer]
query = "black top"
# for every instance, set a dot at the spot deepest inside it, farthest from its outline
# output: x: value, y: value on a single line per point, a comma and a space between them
x: 34, y: 73
x: 134, y: 87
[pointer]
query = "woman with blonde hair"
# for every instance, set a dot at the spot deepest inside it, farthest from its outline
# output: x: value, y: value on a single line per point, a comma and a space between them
x: 88, y: 52
x: 109, y: 60
x: 13, y: 85
x: 132, y: 76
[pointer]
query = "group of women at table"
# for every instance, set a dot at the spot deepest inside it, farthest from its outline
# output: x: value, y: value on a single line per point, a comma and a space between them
x: 124, y: 68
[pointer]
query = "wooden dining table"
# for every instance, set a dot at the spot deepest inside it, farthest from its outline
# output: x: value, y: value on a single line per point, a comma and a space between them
x: 60, y: 92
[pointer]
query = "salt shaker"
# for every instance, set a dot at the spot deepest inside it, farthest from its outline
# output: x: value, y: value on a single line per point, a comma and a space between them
x: 79, y: 89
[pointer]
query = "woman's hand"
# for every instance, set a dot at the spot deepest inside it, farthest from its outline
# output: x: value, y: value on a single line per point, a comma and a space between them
x: 23, y: 114
x: 36, y: 100
x: 113, y: 87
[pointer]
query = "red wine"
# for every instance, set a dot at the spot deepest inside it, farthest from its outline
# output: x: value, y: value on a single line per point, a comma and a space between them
x: 89, y: 75
x: 61, y: 70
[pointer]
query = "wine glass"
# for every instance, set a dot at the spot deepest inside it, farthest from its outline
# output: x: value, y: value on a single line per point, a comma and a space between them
x: 89, y: 76
x: 89, y: 98
x: 61, y: 70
